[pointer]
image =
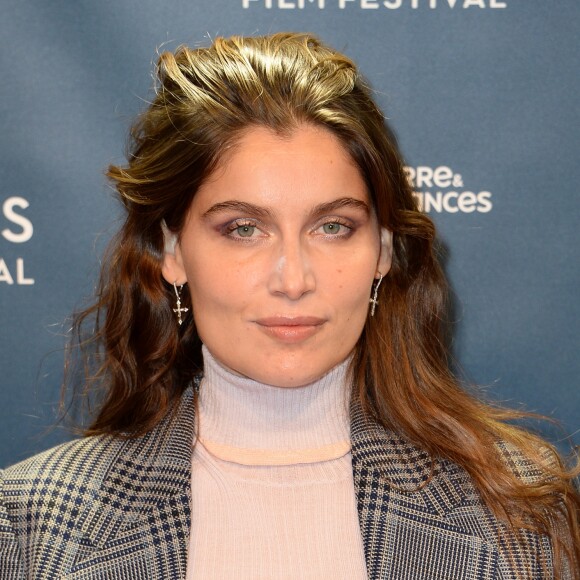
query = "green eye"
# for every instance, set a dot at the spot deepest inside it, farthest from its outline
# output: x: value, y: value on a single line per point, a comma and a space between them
x: 331, y: 228
x: 245, y: 231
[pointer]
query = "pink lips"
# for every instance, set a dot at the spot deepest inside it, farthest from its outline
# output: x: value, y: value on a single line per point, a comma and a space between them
x: 290, y: 329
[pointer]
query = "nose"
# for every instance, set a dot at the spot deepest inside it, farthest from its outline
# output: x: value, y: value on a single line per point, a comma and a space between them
x: 292, y: 273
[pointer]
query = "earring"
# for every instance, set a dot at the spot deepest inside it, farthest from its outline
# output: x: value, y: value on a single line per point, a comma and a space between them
x: 373, y: 301
x: 179, y: 310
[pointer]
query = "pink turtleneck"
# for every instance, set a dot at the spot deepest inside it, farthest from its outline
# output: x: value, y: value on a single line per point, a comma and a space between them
x: 272, y: 487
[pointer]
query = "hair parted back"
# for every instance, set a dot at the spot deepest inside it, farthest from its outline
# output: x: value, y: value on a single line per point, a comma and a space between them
x: 205, y: 99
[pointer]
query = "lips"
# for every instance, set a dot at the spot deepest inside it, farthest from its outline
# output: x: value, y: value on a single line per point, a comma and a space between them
x: 290, y: 321
x: 290, y: 329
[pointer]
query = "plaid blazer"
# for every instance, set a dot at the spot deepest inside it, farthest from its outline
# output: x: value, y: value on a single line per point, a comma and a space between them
x: 111, y: 509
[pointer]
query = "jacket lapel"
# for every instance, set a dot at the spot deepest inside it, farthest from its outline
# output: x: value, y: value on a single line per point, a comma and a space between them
x: 139, y: 520
x: 408, y: 510
x: 381, y: 461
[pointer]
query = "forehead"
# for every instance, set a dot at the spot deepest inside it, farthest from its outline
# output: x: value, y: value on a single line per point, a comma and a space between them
x: 307, y: 167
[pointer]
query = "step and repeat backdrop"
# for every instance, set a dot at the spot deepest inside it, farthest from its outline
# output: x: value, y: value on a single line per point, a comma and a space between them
x: 482, y: 94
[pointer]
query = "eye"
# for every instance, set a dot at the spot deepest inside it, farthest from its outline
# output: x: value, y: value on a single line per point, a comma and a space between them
x: 242, y: 229
x: 245, y: 231
x: 332, y: 228
x: 335, y: 228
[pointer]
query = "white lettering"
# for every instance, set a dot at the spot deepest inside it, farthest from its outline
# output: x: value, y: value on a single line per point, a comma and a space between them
x: 453, y: 202
x: 447, y: 198
x: 20, y: 278
x: 15, y: 218
x: 424, y: 176
x: 6, y: 276
x: 5, y: 273
x: 374, y: 4
x: 431, y: 201
x: 466, y: 202
x: 457, y: 180
x: 442, y: 176
x: 484, y: 199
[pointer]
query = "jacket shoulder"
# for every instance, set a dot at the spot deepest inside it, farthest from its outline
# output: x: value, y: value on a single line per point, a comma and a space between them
x: 83, y: 464
x: 82, y: 461
x: 527, y: 470
x: 403, y: 492
x: 69, y: 504
x: 45, y: 491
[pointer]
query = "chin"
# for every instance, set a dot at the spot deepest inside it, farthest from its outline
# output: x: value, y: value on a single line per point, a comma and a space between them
x: 295, y: 375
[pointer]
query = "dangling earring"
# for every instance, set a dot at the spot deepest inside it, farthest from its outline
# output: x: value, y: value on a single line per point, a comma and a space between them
x: 373, y: 301
x: 178, y: 310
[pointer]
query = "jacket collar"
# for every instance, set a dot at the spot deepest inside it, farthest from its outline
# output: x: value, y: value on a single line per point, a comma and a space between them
x: 144, y: 475
x: 390, y: 474
x: 387, y: 455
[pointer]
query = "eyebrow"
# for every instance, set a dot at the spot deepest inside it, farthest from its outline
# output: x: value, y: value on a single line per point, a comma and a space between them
x: 340, y: 203
x: 238, y: 206
x: 263, y: 212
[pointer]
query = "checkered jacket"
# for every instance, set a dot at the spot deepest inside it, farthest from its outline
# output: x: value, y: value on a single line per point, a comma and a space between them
x: 111, y: 509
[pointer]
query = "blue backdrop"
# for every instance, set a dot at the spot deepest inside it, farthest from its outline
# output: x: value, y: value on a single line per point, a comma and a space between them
x: 483, y: 95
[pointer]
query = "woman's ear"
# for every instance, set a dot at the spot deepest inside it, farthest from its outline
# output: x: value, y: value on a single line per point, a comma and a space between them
x: 172, y: 268
x: 386, y: 255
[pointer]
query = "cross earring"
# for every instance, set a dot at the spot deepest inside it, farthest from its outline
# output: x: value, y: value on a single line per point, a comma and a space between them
x: 373, y: 301
x: 178, y: 310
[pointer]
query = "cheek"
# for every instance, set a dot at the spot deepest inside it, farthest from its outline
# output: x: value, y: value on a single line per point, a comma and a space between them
x: 352, y: 282
x: 356, y: 298
x: 220, y: 285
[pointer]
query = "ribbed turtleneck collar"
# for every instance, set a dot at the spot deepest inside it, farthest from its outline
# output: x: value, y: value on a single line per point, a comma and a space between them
x: 248, y: 422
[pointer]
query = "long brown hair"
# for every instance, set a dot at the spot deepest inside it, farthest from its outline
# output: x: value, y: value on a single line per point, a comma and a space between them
x: 205, y: 99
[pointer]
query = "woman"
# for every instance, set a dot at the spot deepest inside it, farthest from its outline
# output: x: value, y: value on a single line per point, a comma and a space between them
x: 275, y: 396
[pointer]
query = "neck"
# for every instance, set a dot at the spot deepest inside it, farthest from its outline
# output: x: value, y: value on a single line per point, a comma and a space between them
x: 248, y: 422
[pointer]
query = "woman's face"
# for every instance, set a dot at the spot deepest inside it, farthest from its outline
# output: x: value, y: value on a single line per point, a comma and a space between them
x: 280, y: 248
